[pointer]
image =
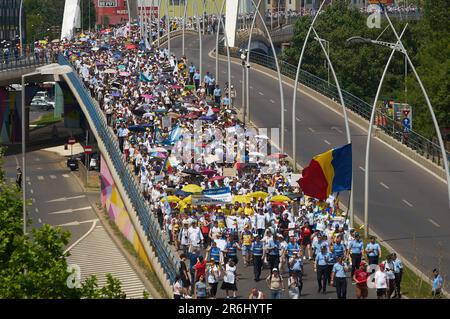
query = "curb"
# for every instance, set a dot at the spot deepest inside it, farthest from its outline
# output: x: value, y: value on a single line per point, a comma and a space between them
x: 117, y: 242
x: 357, y: 219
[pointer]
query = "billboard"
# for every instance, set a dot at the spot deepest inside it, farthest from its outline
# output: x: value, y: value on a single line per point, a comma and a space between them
x: 107, y: 3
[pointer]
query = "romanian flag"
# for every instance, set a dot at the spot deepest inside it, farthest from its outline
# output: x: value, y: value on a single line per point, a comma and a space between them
x: 167, y: 166
x: 328, y: 173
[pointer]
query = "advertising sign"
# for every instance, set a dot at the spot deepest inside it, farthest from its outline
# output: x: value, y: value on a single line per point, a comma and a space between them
x: 216, y: 196
x: 107, y: 3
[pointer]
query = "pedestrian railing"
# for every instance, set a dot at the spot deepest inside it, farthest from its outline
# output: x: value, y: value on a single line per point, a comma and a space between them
x: 12, y: 62
x: 149, y: 223
x: 413, y: 140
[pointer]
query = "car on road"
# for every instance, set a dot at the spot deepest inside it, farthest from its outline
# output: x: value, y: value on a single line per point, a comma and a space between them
x: 43, y: 104
x: 72, y: 163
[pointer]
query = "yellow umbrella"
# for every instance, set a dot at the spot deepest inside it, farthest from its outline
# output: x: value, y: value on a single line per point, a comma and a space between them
x: 187, y: 200
x: 258, y: 194
x: 241, y: 199
x: 171, y: 199
x: 192, y: 188
x: 280, y: 198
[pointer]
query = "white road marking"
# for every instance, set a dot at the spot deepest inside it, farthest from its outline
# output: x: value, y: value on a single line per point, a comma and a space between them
x: 260, y: 93
x: 433, y: 222
x: 298, y: 120
x: 70, y: 210
x: 31, y: 191
x: 384, y: 185
x: 77, y: 223
x: 40, y: 221
x: 272, y: 101
x: 407, y: 203
x: 41, y: 178
x: 336, y: 129
x: 362, y: 168
x: 312, y: 131
x: 65, y: 175
x: 29, y: 183
x: 36, y: 210
x: 63, y: 199
x: 327, y: 142
x: 53, y: 176
x: 251, y: 87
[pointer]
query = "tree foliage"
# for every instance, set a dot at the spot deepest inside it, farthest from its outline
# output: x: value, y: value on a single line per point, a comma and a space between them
x: 359, y: 66
x: 34, y: 266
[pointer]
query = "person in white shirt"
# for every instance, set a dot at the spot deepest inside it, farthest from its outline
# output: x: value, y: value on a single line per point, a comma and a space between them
x: 381, y: 282
x: 216, y: 231
x: 195, y: 235
x: 260, y: 223
x: 183, y: 237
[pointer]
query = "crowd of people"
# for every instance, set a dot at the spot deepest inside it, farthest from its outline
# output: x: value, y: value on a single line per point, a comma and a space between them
x: 222, y: 201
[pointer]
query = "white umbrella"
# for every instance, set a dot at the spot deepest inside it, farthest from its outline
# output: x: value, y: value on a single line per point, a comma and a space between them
x: 255, y: 154
x: 95, y: 49
x: 263, y: 137
x: 110, y: 71
x: 146, y: 115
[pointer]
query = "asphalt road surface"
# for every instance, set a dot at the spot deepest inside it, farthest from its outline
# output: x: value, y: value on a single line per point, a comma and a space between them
x: 58, y: 200
x: 408, y: 205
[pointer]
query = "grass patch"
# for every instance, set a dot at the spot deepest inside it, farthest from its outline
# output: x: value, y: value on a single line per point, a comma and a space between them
x: 46, y: 119
x: 412, y: 285
x: 148, y: 270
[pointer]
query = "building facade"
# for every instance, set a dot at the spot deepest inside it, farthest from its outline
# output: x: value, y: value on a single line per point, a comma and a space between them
x: 9, y: 22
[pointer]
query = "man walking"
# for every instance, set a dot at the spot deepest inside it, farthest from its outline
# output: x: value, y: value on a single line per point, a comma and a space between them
x: 373, y: 251
x: 257, y: 249
x: 19, y: 178
x: 339, y: 278
x: 398, y: 272
x: 356, y: 247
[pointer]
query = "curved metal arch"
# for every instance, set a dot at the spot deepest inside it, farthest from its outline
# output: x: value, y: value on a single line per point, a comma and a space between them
x: 226, y: 43
x: 277, y: 66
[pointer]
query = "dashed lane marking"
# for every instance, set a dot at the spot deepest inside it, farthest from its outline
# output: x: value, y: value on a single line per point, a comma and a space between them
x: 433, y: 222
x: 407, y: 203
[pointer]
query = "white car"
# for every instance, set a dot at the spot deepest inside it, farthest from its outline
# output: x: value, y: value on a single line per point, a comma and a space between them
x: 42, y: 103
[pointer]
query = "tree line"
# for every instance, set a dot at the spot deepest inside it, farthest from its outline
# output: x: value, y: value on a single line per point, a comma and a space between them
x: 359, y: 66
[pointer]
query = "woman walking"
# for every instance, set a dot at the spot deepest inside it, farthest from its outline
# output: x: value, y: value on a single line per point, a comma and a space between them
x: 229, y: 280
x: 275, y: 284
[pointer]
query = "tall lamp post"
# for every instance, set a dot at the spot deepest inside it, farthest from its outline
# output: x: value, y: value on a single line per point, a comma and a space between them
x: 52, y: 69
x: 328, y: 52
x: 244, y: 54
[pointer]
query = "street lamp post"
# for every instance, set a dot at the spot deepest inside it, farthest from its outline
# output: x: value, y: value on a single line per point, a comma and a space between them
x: 221, y: 23
x: 243, y: 60
x: 52, y: 69
x: 328, y: 52
x: 294, y: 99
x: 20, y: 28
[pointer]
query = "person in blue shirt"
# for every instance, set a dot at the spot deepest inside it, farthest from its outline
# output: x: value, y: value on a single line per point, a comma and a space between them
x: 339, y: 278
x: 356, y: 247
x: 197, y: 79
x: 192, y: 70
x: 226, y: 101
x: 257, y: 249
x: 373, y: 251
x: 231, y: 251
x: 292, y: 247
x: 273, y: 249
x: 438, y: 283
x: 321, y: 267
x: 211, y: 85
x: 193, y: 258
x: 215, y: 252
x: 339, y: 248
x: 217, y: 94
x: 398, y: 272
x: 206, y: 80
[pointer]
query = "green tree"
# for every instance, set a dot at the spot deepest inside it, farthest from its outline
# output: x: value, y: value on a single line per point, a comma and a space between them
x: 35, y: 265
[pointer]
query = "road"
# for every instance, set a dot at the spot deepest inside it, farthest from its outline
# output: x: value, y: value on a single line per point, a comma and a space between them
x: 58, y: 200
x: 408, y: 205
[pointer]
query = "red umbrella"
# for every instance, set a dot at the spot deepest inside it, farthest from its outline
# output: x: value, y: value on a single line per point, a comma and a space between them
x: 277, y: 155
x: 216, y: 110
x: 278, y: 204
x: 216, y: 178
x: 177, y: 86
x: 131, y: 47
x: 191, y: 116
x: 208, y: 172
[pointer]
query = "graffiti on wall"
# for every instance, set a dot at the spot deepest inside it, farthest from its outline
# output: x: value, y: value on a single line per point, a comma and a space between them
x: 113, y: 203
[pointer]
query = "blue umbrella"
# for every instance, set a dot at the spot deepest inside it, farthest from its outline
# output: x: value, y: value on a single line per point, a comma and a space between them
x: 208, y: 118
x: 121, y: 67
x: 137, y: 128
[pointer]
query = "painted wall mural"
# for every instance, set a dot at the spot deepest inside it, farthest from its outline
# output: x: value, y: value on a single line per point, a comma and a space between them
x: 112, y: 201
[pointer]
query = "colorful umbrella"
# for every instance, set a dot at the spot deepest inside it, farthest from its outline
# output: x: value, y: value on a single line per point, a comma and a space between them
x: 171, y: 199
x: 278, y: 204
x: 124, y: 73
x: 258, y: 194
x: 131, y: 47
x: 208, y: 171
x: 192, y: 188
x: 147, y: 96
x: 280, y: 198
x: 216, y: 178
x: 241, y: 199
x: 110, y: 71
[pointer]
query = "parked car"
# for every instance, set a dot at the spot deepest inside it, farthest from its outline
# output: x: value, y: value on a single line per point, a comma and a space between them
x: 43, y: 104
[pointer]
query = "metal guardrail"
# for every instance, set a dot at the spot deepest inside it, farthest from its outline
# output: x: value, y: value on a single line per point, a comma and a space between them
x: 149, y: 224
x: 413, y: 140
x: 11, y: 62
